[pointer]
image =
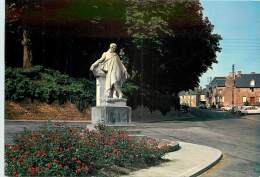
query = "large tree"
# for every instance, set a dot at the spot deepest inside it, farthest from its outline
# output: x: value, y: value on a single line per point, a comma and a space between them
x: 15, y: 13
x: 168, y: 43
x: 175, y: 41
x: 175, y: 45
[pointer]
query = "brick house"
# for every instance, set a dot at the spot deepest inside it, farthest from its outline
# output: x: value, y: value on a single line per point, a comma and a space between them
x: 245, y: 88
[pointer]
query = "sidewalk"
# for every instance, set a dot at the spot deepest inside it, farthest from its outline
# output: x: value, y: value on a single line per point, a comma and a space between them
x: 54, y: 121
x: 191, y: 160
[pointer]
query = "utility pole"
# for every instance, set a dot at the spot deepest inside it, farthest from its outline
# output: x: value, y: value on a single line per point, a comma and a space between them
x: 233, y: 85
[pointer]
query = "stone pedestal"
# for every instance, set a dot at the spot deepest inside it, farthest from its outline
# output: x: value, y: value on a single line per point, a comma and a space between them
x: 100, y: 88
x: 110, y: 111
x: 111, y: 115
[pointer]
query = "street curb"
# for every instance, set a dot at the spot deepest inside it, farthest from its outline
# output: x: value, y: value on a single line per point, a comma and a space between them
x: 209, y: 157
x: 54, y: 121
x: 205, y: 168
x: 199, y: 170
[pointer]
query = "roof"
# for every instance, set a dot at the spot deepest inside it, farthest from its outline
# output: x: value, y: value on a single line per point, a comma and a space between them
x: 189, y: 92
x: 243, y: 80
x: 218, y: 81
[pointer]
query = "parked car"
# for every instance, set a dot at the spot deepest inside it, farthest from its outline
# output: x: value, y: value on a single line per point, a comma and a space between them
x: 226, y: 108
x: 250, y: 110
x: 237, y: 109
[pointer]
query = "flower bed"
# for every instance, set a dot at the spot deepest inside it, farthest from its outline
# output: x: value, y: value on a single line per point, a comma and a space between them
x: 62, y: 151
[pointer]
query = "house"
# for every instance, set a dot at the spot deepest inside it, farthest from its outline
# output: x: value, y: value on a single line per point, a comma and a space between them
x: 235, y: 89
x: 193, y: 98
x: 215, y: 92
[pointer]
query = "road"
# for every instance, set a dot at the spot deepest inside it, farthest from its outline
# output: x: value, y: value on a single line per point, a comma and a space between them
x: 237, y: 138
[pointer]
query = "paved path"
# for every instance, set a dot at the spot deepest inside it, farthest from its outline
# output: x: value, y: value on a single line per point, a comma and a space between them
x: 190, y: 160
x: 238, y: 139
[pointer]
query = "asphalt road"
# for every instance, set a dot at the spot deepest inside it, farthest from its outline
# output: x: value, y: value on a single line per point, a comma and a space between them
x: 237, y: 138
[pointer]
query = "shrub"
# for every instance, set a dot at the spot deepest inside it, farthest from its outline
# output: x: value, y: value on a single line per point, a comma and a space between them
x: 48, y: 85
x: 62, y: 151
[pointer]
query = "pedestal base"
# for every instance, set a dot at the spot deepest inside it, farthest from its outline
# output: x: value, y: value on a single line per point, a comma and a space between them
x: 111, y: 115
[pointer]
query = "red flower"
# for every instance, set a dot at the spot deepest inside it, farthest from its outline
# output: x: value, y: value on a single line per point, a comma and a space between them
x: 15, y: 148
x: 78, y: 162
x: 78, y: 170
x: 49, y: 165
x: 116, y: 152
x: 56, y: 161
x: 40, y: 153
x: 33, y: 170
x: 15, y: 173
x: 21, y: 159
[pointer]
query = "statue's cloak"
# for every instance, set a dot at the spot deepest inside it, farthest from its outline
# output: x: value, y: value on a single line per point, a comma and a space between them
x: 115, y: 71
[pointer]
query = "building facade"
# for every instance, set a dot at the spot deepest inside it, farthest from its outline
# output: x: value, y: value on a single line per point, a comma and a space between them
x: 235, y: 89
x: 193, y: 98
x: 215, y: 94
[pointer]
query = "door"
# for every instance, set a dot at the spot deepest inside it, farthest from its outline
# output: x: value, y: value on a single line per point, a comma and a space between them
x: 252, y: 101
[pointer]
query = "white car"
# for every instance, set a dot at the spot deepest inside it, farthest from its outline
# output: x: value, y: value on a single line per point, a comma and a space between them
x: 238, y: 109
x: 250, y: 110
x: 226, y: 108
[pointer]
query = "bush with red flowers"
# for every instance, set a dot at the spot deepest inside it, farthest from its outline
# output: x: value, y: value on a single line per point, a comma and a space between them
x: 56, y: 150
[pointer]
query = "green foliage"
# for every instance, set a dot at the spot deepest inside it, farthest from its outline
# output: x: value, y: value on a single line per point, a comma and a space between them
x: 147, y: 22
x: 62, y: 151
x: 17, y: 86
x: 95, y: 10
x: 168, y: 44
x: 129, y: 88
x: 186, y: 45
x: 48, y: 85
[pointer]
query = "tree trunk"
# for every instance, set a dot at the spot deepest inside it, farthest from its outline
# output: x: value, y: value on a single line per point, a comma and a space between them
x: 26, y: 50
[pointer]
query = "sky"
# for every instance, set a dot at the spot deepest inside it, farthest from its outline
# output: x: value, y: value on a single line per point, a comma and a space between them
x: 238, y: 22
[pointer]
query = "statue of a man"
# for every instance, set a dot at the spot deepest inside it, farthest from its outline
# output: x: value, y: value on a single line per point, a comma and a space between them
x: 114, y: 69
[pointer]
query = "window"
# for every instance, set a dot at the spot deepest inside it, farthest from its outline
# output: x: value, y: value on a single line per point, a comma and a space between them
x: 244, y: 99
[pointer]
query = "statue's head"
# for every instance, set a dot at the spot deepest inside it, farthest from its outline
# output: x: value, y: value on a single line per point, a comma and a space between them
x: 112, y: 47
